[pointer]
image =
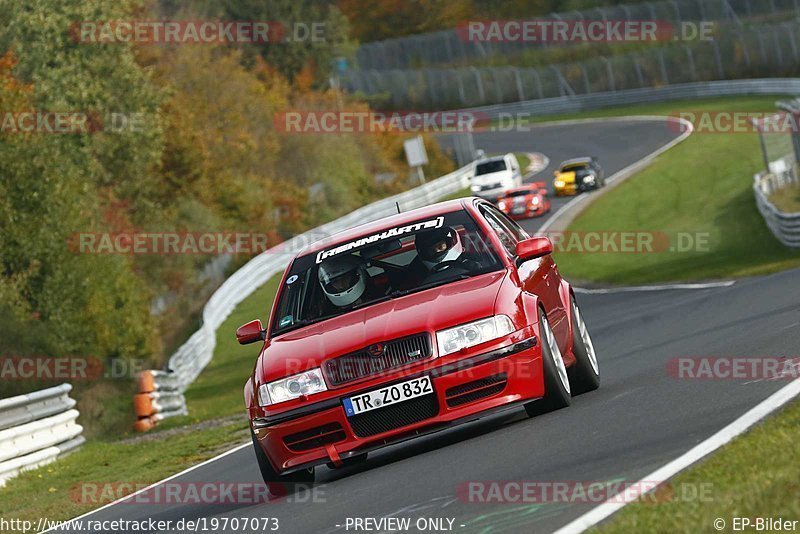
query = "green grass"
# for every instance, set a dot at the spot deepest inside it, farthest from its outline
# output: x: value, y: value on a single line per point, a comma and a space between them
x: 787, y: 199
x: 700, y: 188
x: 56, y: 491
x: 218, y: 390
x: 756, y: 475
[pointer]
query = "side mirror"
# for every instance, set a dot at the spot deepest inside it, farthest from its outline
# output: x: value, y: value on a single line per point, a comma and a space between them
x: 250, y: 333
x: 532, y: 248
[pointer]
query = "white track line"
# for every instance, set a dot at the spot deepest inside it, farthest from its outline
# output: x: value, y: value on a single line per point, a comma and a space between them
x: 664, y: 287
x: 708, y: 446
x: 66, y: 523
x: 630, y: 169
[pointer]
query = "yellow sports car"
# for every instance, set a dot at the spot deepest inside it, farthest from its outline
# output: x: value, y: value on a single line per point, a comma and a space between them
x: 577, y: 175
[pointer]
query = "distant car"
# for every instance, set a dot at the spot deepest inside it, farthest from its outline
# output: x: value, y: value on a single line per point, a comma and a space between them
x: 529, y: 200
x: 493, y: 176
x: 578, y: 175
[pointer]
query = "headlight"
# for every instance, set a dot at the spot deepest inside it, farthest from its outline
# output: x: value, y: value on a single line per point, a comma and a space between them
x: 559, y: 183
x: 588, y: 179
x: 291, y: 387
x: 471, y: 334
x: 535, y: 200
x: 501, y: 205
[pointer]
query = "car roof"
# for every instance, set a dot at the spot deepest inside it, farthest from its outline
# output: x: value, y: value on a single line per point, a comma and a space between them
x: 400, y: 219
x: 576, y: 161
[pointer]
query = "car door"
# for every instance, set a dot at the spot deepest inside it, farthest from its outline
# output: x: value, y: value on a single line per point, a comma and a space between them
x: 538, y: 276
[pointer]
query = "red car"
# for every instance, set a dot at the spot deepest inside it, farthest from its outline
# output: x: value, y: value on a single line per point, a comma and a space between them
x: 406, y: 326
x: 529, y: 200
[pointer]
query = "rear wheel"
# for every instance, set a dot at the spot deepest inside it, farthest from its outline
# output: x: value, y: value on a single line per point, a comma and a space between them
x: 556, y: 382
x: 279, y: 485
x: 584, y: 375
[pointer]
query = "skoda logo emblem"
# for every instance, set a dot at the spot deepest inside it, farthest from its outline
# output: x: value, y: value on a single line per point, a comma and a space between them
x: 375, y: 350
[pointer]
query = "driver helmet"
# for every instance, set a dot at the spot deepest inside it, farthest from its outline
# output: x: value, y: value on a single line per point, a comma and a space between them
x: 343, y: 279
x: 438, y: 246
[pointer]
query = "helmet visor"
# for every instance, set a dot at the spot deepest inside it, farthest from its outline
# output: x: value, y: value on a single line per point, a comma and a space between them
x: 340, y: 283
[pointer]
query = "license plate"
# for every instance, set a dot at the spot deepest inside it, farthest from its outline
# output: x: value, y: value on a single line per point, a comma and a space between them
x: 518, y: 210
x: 389, y: 395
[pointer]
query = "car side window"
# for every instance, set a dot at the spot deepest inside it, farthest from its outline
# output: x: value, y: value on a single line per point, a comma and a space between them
x: 507, y: 237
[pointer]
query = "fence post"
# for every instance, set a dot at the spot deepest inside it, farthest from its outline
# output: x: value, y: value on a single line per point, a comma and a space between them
x: 479, y: 82
x: 610, y: 72
x: 690, y: 57
x: 518, y: 81
x: 718, y: 59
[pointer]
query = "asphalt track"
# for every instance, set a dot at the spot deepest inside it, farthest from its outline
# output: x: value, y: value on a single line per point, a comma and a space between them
x: 641, y: 418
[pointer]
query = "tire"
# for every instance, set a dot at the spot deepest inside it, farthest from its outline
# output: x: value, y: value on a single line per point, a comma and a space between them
x: 279, y: 485
x: 556, y: 382
x: 585, y: 374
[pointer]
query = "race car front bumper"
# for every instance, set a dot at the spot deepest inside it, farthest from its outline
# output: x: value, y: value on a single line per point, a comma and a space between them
x: 463, y: 390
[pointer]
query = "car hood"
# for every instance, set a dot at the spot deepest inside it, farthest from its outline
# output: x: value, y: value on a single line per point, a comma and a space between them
x: 491, y: 178
x: 427, y: 311
x: 566, y: 177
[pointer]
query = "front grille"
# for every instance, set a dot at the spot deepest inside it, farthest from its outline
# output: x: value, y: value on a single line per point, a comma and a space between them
x: 395, y: 353
x: 477, y: 389
x: 394, y: 416
x: 316, y: 437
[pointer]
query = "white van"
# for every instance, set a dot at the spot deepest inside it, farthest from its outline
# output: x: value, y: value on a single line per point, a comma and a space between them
x: 494, y: 175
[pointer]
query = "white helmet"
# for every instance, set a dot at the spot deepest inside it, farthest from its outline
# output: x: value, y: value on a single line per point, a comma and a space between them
x: 438, y: 246
x: 343, y: 279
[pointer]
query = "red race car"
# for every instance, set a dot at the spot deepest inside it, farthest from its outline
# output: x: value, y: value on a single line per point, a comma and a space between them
x: 407, y: 326
x: 529, y: 200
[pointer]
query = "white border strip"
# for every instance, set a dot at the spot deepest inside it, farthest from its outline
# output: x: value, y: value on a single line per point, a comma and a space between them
x: 664, y: 287
x: 66, y: 522
x: 630, y: 169
x: 739, y: 426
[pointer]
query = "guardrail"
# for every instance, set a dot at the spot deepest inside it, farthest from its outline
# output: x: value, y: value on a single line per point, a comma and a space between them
x: 37, y: 428
x: 785, y: 226
x: 161, y: 392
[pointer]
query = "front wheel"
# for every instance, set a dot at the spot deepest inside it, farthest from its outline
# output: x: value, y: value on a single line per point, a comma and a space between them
x: 556, y: 382
x: 585, y: 374
x: 279, y: 485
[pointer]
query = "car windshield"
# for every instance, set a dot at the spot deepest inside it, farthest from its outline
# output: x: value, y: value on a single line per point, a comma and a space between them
x: 521, y: 193
x: 391, y: 263
x: 488, y: 167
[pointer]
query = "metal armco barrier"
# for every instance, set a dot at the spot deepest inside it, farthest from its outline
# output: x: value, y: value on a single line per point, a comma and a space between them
x: 161, y: 392
x: 37, y: 428
x: 159, y: 397
x: 785, y: 226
